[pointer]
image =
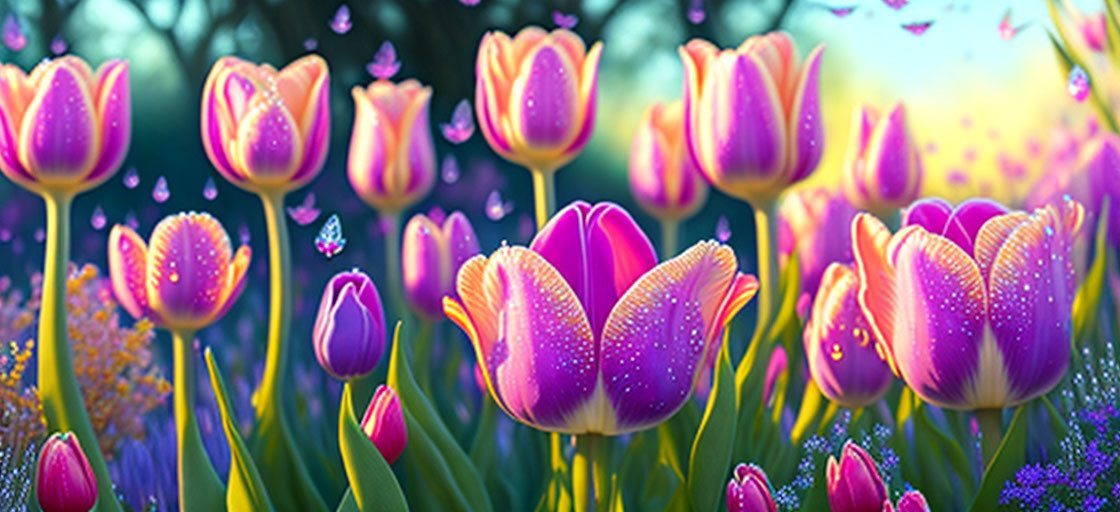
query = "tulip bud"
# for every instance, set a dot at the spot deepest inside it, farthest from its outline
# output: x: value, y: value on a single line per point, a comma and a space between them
x: 779, y: 361
x: 384, y: 423
x: 912, y: 501
x: 854, y: 484
x: 349, y: 333
x: 883, y: 168
x: 809, y: 221
x: 430, y: 258
x: 65, y: 481
x: 662, y: 176
x: 749, y: 490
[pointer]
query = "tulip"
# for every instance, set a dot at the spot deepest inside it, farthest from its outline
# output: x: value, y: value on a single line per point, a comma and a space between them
x: 749, y: 490
x: 431, y: 255
x: 392, y: 160
x: 1094, y: 30
x: 586, y: 317
x: 972, y: 306
x: 185, y: 280
x: 808, y: 222
x: 349, y: 334
x: 779, y: 362
x: 384, y: 424
x: 1093, y: 176
x: 839, y: 345
x: 662, y: 177
x: 65, y: 480
x: 912, y: 501
x: 267, y: 130
x: 64, y: 129
x: 883, y: 168
x: 535, y: 101
x: 854, y: 484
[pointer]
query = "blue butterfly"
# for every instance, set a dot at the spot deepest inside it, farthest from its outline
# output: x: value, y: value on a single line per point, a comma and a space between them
x: 330, y: 241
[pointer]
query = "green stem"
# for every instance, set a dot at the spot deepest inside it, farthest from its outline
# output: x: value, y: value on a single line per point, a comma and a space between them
x: 991, y: 432
x: 280, y: 304
x: 422, y: 358
x: 391, y: 221
x: 200, y: 489
x: 61, y: 396
x: 670, y: 229
x: 766, y: 227
x: 583, y: 486
x: 544, y: 195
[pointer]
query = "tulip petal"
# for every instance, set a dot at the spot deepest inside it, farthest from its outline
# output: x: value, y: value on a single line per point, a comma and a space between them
x: 427, y: 272
x: 223, y: 89
x: 415, y: 169
x: 114, y: 108
x: 1032, y: 286
x: 15, y: 95
x: 964, y: 224
x: 371, y: 143
x: 992, y: 236
x: 268, y: 143
x: 347, y: 331
x: 806, y: 128
x: 59, y: 135
x: 931, y: 213
x: 128, y: 271
x: 657, y: 335
x: 544, y: 101
x: 531, y: 337
x: 878, y: 293
x: 239, y: 265
x: 939, y: 318
x: 188, y: 269
x: 314, y: 116
x: 462, y: 241
x: 889, y: 157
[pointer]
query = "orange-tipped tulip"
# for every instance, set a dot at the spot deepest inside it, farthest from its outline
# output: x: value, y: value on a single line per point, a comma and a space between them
x: 535, y: 95
x: 883, y: 168
x: 64, y: 128
x: 662, y: 176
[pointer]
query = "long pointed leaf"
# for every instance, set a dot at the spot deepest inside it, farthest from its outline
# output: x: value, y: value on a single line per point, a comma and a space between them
x: 372, y: 482
x: 710, y: 462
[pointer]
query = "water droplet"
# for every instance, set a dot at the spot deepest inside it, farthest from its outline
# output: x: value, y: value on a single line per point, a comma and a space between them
x: 449, y: 169
x: 243, y: 234
x: 696, y: 13
x: 161, y: 193
x: 131, y: 178
x: 310, y: 44
x: 58, y: 45
x: 461, y: 126
x: 14, y: 38
x: 495, y: 208
x: 723, y: 229
x: 174, y: 277
x: 836, y: 353
x: 340, y: 23
x: 1078, y: 84
x: 384, y: 64
x: 40, y: 235
x: 97, y: 220
x: 210, y: 191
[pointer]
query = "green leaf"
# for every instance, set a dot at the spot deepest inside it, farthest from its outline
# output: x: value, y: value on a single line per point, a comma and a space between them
x: 710, y: 462
x: 423, y: 452
x: 1008, y: 459
x: 947, y: 448
x: 245, y: 488
x: 1057, y: 424
x: 372, y: 482
x: 1087, y: 303
x: 400, y: 378
x: 789, y: 282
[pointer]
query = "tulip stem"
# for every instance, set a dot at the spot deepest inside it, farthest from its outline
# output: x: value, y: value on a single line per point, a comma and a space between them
x: 670, y: 229
x: 544, y: 195
x: 422, y: 358
x: 590, y: 480
x: 63, y: 405
x: 991, y: 432
x: 391, y: 222
x: 766, y: 229
x: 199, y: 486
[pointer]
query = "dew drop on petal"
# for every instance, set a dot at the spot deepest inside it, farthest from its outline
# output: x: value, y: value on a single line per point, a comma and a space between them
x: 131, y: 178
x: 340, y: 23
x: 449, y: 169
x: 14, y: 38
x: 461, y: 126
x: 97, y: 220
x: 723, y: 229
x: 1078, y: 84
x: 161, y: 193
x: 210, y: 191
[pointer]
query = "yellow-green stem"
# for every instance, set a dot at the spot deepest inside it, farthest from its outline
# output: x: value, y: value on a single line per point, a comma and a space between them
x: 583, y: 486
x: 766, y: 230
x: 61, y: 396
x: 422, y: 358
x: 544, y: 195
x: 280, y: 305
x: 670, y: 229
x: 991, y: 432
x: 200, y: 489
x: 391, y: 221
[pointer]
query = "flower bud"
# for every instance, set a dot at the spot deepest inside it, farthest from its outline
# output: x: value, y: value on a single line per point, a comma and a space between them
x: 854, y: 484
x: 65, y: 481
x: 384, y: 423
x: 749, y: 490
x: 349, y: 333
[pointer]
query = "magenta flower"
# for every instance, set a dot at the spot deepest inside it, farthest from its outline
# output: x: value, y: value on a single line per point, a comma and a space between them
x: 384, y: 423
x: 749, y: 490
x: 662, y: 177
x: 1094, y: 176
x: 583, y: 332
x: 883, y: 167
x: 912, y: 501
x: 809, y: 220
x: 349, y: 332
x: 854, y: 484
x: 839, y: 345
x: 65, y: 481
x: 430, y: 258
x: 971, y: 305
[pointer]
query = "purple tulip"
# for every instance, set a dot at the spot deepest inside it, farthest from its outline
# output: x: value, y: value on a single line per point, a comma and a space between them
x: 883, y: 168
x: 749, y: 490
x: 971, y: 305
x: 65, y: 481
x: 1094, y: 176
x: 384, y: 423
x: 349, y: 333
x: 839, y: 345
x: 662, y: 177
x: 854, y: 484
x: 430, y: 258
x: 583, y: 332
x: 809, y: 220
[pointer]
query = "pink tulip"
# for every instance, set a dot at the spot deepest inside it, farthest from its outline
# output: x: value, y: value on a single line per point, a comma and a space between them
x: 752, y: 115
x: 64, y: 128
x: 187, y: 279
x: 384, y: 424
x: 392, y: 161
x: 912, y: 501
x: 749, y: 490
x: 883, y: 168
x: 430, y: 258
x: 267, y: 130
x: 854, y: 484
x: 65, y: 481
x: 662, y: 176
x: 535, y: 95
x: 809, y: 220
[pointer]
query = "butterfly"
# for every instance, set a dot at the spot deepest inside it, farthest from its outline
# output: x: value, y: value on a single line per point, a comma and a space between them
x: 917, y: 28
x: 896, y: 4
x: 1007, y: 31
x: 461, y: 126
x: 341, y: 23
x: 330, y: 241
x: 384, y: 64
x: 306, y: 212
x: 565, y: 21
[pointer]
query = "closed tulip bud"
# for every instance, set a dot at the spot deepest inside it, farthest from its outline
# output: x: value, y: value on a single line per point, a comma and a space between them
x: 883, y: 168
x: 839, y: 345
x: 187, y: 278
x: 384, y: 423
x: 808, y: 222
x: 535, y: 95
x: 267, y: 130
x: 64, y: 128
x: 430, y: 258
x: 854, y: 484
x: 65, y: 480
x: 349, y: 333
x: 392, y: 161
x: 749, y: 490
x: 662, y: 177
x: 912, y: 501
x: 752, y: 115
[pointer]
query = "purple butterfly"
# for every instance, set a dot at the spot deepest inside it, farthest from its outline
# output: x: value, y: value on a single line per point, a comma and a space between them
x: 461, y: 126
x: 305, y: 213
x: 385, y: 63
x: 566, y: 21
